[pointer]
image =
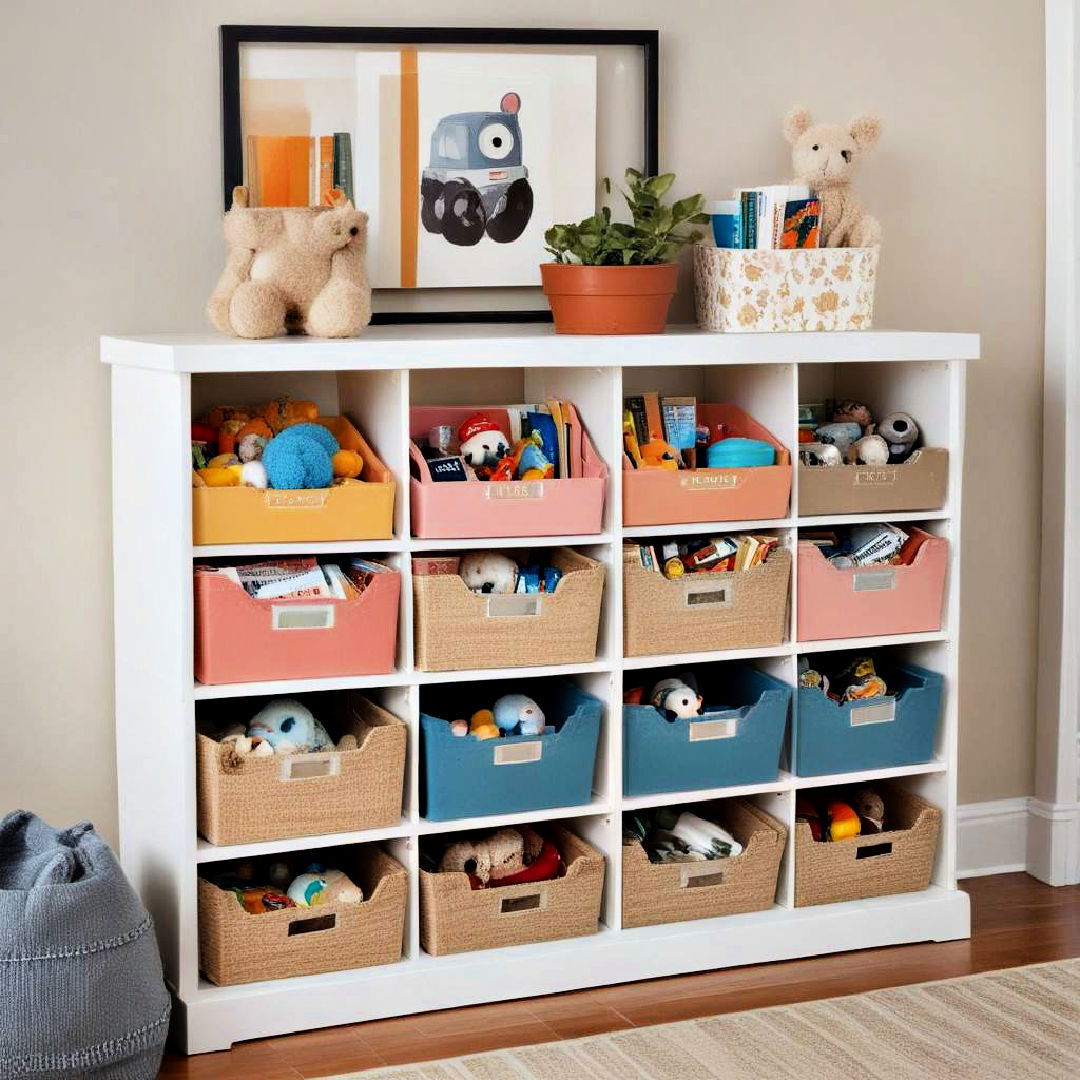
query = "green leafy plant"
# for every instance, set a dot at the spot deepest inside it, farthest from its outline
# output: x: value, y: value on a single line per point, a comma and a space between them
x: 654, y: 234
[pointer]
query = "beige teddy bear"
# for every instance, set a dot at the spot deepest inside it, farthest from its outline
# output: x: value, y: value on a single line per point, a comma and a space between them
x: 293, y: 269
x: 826, y: 158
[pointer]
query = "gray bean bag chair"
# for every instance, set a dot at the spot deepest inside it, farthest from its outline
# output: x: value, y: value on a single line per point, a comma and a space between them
x: 81, y: 993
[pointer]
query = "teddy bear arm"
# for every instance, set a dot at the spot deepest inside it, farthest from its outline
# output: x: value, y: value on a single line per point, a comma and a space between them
x: 343, y: 306
x: 237, y: 270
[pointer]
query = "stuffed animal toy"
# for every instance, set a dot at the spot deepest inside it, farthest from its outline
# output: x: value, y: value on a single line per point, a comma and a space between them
x: 840, y: 434
x: 823, y: 454
x: 301, y: 456
x: 488, y: 572
x: 307, y: 889
x: 901, y: 432
x: 869, y: 450
x: 482, y: 441
x: 826, y: 158
x: 843, y: 821
x: 283, y: 412
x: 518, y: 713
x: 253, y: 474
x: 295, y: 269
x: 870, y: 807
x: 482, y: 725
x: 348, y: 464
x: 318, y: 885
x: 488, y: 858
x: 675, y: 699
x: 289, y: 727
x: 853, y: 412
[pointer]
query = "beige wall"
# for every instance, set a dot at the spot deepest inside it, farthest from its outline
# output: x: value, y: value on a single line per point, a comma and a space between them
x: 109, y: 174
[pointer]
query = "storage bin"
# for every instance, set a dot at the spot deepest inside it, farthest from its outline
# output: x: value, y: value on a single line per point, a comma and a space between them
x: 878, y: 733
x: 474, y: 508
x: 246, y: 515
x: 867, y: 601
x: 457, y: 629
x: 663, y: 497
x: 701, y: 612
x: 655, y: 893
x: 270, y: 798
x: 456, y: 918
x: 235, y: 947
x: 737, y: 744
x: 896, y: 861
x: 239, y: 638
x: 747, y: 291
x: 467, y: 777
x: 920, y: 483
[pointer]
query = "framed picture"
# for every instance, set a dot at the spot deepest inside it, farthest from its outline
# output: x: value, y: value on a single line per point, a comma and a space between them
x: 462, y: 145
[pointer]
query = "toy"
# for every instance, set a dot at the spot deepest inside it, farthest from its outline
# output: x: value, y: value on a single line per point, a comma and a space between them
x: 307, y: 889
x: 319, y: 885
x: 256, y: 426
x: 869, y: 450
x: 843, y: 821
x: 347, y: 463
x: 482, y: 725
x: 301, y: 457
x: 657, y: 454
x: 676, y: 699
x: 298, y: 269
x: 251, y: 447
x: 459, y: 727
x: 289, y: 727
x: 227, y: 433
x: 259, y: 900
x: 482, y: 441
x: 826, y: 158
x: 740, y: 453
x: 870, y: 807
x: 820, y: 454
x: 516, y: 712
x: 220, y: 475
x: 283, y: 412
x: 488, y: 572
x: 340, y: 888
x: 852, y: 412
x: 253, y: 474
x: 901, y: 433
x: 486, y: 858
x: 222, y: 461
x: 841, y: 434
x: 807, y: 812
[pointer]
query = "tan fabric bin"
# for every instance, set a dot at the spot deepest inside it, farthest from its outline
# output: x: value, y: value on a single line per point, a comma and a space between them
x: 273, y: 798
x: 665, y: 893
x: 744, y: 609
x: 456, y: 918
x: 896, y: 861
x: 458, y: 629
x: 920, y: 483
x: 235, y: 947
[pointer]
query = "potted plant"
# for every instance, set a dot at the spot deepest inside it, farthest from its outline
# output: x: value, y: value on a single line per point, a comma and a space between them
x: 613, y: 277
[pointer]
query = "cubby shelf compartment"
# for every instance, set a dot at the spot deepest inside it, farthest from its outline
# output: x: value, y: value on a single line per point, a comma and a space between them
x: 157, y: 384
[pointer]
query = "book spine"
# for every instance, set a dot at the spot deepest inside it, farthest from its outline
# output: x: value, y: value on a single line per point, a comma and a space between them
x: 636, y: 405
x: 343, y: 163
x: 751, y: 219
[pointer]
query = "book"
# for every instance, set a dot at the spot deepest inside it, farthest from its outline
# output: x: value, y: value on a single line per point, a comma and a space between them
x: 748, y: 213
x: 680, y: 421
x: 280, y: 165
x: 654, y: 424
x: 343, y: 178
x: 326, y: 170
x: 802, y: 224
x: 636, y: 407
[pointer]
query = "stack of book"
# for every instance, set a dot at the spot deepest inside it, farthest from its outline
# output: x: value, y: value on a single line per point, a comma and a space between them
x: 303, y: 578
x: 664, y: 426
x: 298, y: 170
x: 779, y: 216
x: 712, y: 555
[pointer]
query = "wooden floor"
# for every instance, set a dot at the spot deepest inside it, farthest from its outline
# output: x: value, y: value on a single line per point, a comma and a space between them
x: 1017, y: 921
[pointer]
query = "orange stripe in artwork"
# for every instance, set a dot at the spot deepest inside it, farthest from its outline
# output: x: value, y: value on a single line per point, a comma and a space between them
x: 410, y: 167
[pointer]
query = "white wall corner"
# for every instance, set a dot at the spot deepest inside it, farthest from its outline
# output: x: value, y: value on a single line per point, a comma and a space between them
x: 1053, y: 842
x: 992, y: 837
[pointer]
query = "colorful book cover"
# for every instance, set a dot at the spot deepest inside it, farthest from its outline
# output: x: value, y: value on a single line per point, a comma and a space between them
x: 802, y: 224
x: 282, y: 164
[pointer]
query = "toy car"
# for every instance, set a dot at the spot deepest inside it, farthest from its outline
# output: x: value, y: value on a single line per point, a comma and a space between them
x: 475, y: 181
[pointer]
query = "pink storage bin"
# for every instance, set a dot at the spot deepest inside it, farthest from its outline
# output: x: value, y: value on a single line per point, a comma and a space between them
x: 866, y: 601
x: 661, y: 497
x: 241, y: 639
x: 473, y: 509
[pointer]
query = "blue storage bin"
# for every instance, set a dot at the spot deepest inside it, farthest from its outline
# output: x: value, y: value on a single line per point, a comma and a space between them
x: 739, y: 744
x: 874, y: 734
x: 466, y: 777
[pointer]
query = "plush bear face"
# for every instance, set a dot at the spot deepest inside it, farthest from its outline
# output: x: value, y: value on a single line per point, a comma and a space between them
x: 336, y: 227
x: 488, y: 572
x: 828, y: 155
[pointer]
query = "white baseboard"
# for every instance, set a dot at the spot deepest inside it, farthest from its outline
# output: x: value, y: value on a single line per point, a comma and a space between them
x: 1053, y: 842
x: 992, y: 837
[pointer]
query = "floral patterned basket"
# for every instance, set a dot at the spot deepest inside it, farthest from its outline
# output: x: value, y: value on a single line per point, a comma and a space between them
x: 745, y: 291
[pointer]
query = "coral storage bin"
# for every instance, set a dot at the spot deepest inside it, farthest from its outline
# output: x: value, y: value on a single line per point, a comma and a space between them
x: 474, y: 508
x: 457, y: 918
x: 235, y: 947
x: 865, y: 601
x: 312, y: 794
x: 467, y: 777
x: 738, y: 744
x: 664, y: 497
x: 353, y: 511
x: 702, y: 612
x: 877, y: 733
x: 241, y: 639
x: 655, y: 893
x: 896, y: 861
x: 457, y: 629
x: 920, y: 483
x: 744, y: 291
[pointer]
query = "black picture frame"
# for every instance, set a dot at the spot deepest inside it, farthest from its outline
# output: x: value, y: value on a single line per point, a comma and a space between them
x: 233, y: 38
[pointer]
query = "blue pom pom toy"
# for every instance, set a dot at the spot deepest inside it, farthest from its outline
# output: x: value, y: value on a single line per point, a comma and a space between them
x: 300, y: 457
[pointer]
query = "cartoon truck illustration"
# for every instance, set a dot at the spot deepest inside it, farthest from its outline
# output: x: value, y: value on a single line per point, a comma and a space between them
x: 475, y: 182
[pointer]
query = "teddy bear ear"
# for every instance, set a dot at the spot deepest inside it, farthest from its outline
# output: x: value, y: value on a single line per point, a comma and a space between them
x: 865, y: 130
x: 795, y: 123
x: 239, y: 196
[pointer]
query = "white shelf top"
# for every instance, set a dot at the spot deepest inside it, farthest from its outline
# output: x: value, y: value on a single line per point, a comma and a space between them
x: 485, y: 345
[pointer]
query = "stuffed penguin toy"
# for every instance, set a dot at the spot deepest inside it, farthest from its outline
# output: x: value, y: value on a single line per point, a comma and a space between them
x: 676, y: 699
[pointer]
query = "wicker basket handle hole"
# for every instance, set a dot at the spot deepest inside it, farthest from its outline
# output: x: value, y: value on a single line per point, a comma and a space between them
x: 873, y: 850
x: 703, y: 881
x: 312, y: 925
x: 520, y: 903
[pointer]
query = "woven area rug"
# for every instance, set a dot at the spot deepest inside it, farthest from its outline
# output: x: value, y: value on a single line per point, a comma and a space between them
x: 1018, y: 1024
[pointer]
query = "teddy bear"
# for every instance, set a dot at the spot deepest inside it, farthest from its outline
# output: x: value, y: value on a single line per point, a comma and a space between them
x: 826, y: 158
x: 489, y: 858
x: 295, y: 269
x: 488, y: 572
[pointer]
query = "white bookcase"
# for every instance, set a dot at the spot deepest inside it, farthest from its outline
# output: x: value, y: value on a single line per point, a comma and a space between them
x: 159, y: 382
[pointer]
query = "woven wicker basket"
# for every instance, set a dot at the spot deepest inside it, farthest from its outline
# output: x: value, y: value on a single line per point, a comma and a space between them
x: 655, y: 893
x: 457, y: 628
x: 897, y: 861
x: 456, y: 918
x: 309, y: 794
x: 235, y: 947
x: 699, y: 612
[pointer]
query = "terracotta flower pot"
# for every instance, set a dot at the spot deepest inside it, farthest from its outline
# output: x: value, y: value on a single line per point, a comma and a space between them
x: 609, y: 299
